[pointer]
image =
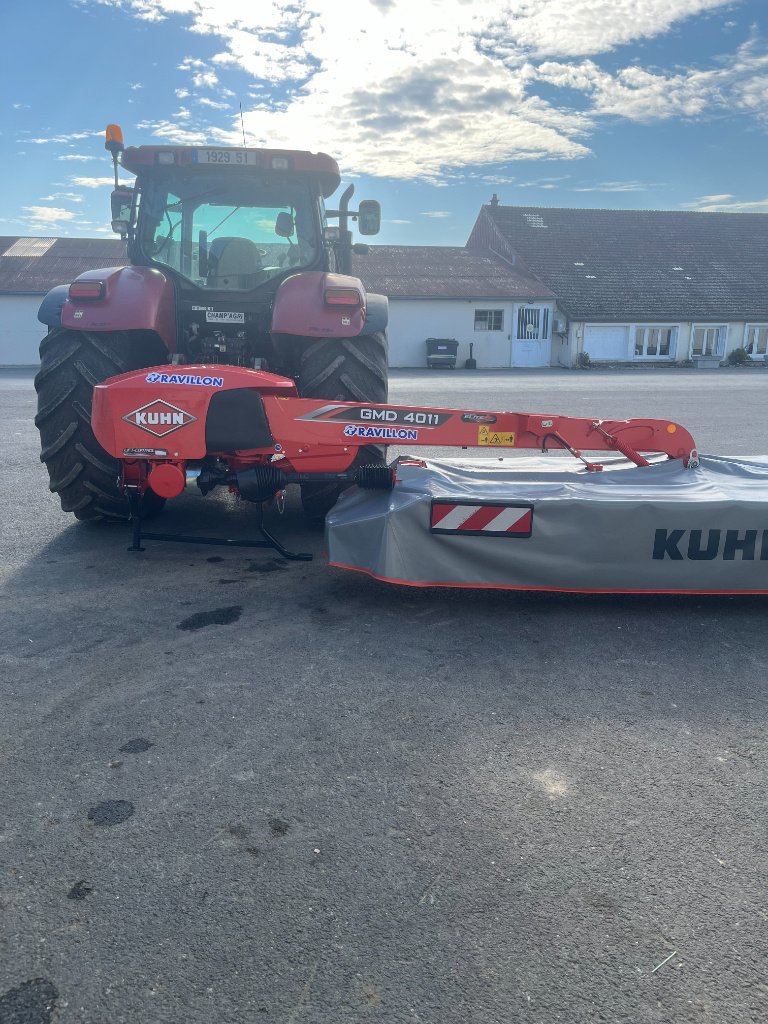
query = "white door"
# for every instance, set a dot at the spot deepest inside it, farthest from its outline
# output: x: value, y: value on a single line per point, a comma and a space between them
x: 531, y: 343
x: 608, y: 341
x: 530, y: 353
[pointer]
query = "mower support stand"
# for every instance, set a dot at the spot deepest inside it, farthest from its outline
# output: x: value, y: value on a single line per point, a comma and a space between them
x: 267, y: 539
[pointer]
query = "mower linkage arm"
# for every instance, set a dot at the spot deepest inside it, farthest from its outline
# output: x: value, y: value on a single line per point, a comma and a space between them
x: 309, y: 429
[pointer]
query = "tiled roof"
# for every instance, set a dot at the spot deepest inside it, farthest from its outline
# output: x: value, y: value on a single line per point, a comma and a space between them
x: 34, y: 265
x: 631, y: 265
x: 443, y: 272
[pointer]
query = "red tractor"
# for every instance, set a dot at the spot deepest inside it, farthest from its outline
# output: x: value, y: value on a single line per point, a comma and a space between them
x: 231, y: 263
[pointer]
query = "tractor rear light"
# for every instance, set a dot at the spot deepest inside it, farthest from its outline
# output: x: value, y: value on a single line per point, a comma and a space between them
x: 332, y: 234
x: 343, y: 297
x: 86, y: 290
x: 166, y: 158
x: 281, y: 163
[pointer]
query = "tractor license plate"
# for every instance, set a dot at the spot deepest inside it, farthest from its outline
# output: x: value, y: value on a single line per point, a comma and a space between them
x: 236, y: 157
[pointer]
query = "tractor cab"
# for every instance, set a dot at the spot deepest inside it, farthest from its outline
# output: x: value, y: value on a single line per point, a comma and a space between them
x: 225, y: 221
x: 233, y: 220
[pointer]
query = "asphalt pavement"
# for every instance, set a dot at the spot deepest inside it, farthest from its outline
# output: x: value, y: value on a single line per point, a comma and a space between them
x: 235, y: 789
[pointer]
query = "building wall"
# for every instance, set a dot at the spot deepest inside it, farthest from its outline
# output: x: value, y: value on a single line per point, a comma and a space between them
x: 412, y: 321
x: 20, y: 330
x: 735, y: 338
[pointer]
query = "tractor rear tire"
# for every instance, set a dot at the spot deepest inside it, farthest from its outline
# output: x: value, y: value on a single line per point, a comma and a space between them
x: 82, y: 474
x: 343, y: 370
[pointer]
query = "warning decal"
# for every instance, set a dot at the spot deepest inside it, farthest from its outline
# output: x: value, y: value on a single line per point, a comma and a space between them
x: 473, y: 519
x: 496, y: 438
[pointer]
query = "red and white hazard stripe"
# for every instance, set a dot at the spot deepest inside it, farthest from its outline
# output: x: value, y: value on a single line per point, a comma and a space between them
x: 486, y: 520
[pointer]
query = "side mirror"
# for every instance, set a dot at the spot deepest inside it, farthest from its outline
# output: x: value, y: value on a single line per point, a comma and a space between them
x: 369, y: 217
x: 122, y: 204
x: 284, y: 226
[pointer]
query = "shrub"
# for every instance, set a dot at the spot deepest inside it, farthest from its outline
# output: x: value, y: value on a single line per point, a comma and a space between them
x: 583, y: 362
x: 739, y: 357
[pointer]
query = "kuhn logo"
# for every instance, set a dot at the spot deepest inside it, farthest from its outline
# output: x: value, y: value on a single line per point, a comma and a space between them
x: 707, y: 545
x: 159, y: 418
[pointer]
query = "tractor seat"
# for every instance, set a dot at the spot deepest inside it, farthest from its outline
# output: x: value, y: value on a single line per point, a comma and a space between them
x: 231, y: 260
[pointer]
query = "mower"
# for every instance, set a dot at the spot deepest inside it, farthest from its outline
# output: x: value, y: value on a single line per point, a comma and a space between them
x: 651, y: 515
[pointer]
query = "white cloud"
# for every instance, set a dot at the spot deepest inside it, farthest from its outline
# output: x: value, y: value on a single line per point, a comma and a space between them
x: 105, y: 182
x: 47, y: 216
x: 721, y: 204
x: 613, y: 186
x: 190, y: 63
x: 172, y: 132
x: 422, y: 89
x: 416, y: 123
x: 419, y: 120
x: 75, y: 156
x: 541, y: 183
x: 638, y: 94
x: 203, y: 76
x: 436, y: 213
x: 578, y: 27
x: 205, y: 79
x: 72, y: 197
x: 413, y: 95
x: 71, y: 137
x: 273, y: 39
x: 203, y: 101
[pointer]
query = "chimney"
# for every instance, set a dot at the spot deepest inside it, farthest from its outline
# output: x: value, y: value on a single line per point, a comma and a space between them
x: 494, y: 200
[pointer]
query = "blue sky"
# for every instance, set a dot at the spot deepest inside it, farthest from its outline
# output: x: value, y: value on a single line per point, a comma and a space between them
x: 430, y: 106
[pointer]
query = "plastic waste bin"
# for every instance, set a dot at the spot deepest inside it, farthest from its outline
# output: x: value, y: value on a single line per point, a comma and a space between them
x: 442, y: 352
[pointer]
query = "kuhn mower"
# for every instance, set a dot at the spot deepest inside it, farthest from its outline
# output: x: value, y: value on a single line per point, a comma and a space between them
x: 652, y: 516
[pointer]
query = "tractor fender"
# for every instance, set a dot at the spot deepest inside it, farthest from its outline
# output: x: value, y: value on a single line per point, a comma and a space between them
x: 133, y: 299
x: 50, y: 308
x: 376, y: 313
x: 300, y: 308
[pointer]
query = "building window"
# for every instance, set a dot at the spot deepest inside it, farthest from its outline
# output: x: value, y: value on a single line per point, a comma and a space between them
x: 655, y: 342
x: 708, y: 341
x: 532, y: 323
x: 756, y: 342
x: 489, y: 319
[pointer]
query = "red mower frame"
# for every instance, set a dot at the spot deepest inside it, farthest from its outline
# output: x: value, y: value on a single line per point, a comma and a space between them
x: 248, y: 430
